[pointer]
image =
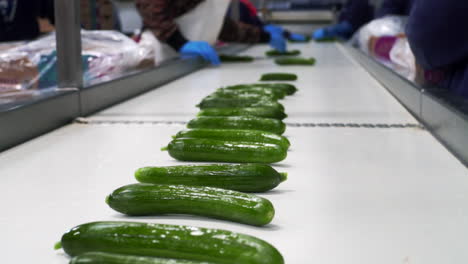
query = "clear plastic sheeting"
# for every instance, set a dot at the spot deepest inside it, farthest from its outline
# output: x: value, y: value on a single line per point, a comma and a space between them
x: 32, y: 66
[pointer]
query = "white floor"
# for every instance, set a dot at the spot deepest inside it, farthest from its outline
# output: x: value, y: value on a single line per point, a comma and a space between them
x: 354, y: 195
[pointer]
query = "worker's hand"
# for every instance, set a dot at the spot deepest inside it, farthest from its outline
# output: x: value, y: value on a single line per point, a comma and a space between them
x: 297, y: 37
x: 321, y: 33
x: 342, y: 29
x: 201, y: 48
x: 277, y: 40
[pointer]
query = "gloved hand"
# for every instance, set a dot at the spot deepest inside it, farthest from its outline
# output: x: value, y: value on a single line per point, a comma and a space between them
x: 277, y: 40
x: 297, y: 37
x: 342, y: 29
x: 200, y: 48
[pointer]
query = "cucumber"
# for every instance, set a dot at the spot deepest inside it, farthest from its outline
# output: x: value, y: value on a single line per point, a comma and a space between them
x: 295, y: 61
x: 307, y: 39
x: 287, y: 88
x: 278, y: 77
x: 211, y: 150
x: 229, y: 93
x: 239, y: 122
x: 109, y: 258
x: 236, y: 135
x: 235, y: 58
x: 268, y: 112
x: 237, y: 177
x: 329, y: 39
x: 273, y: 53
x: 243, y: 101
x: 169, y: 241
x: 143, y: 199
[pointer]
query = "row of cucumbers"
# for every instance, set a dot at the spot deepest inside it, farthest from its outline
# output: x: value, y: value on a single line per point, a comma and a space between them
x: 230, y: 118
x: 237, y: 124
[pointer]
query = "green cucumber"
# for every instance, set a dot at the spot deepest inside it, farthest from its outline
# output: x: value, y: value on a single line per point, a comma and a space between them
x: 169, y: 241
x: 229, y: 93
x: 268, y: 112
x: 239, y: 122
x: 273, y: 53
x: 329, y: 39
x: 244, y: 101
x: 200, y: 149
x: 287, y: 88
x: 143, y: 199
x: 307, y: 39
x: 295, y: 61
x: 235, y: 58
x: 237, y: 177
x: 109, y: 258
x: 278, y: 77
x: 236, y: 135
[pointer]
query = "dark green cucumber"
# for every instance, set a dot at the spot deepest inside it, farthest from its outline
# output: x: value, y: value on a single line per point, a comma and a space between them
x: 244, y: 101
x: 235, y: 58
x: 307, y: 39
x: 329, y: 39
x: 143, y: 199
x: 229, y: 93
x: 238, y: 177
x: 200, y: 149
x: 239, y: 122
x: 278, y: 77
x: 109, y: 258
x: 236, y: 135
x: 273, y: 53
x: 287, y: 88
x: 169, y: 241
x: 268, y: 112
x: 295, y: 61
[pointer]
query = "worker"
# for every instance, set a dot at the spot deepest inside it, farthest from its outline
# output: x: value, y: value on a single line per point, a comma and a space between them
x: 249, y: 15
x: 190, y: 27
x: 355, y: 14
x: 439, y: 41
x: 19, y: 19
x: 395, y: 7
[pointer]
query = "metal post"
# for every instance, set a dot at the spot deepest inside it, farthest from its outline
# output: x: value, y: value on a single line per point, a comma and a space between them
x: 68, y: 37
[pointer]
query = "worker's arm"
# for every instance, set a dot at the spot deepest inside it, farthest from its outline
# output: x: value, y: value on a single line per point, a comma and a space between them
x: 234, y: 31
x: 159, y: 17
x: 436, y: 32
x: 355, y: 14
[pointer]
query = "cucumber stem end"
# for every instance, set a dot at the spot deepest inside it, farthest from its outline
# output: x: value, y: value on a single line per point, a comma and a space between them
x: 283, y: 176
x: 164, y: 149
x: 58, y: 245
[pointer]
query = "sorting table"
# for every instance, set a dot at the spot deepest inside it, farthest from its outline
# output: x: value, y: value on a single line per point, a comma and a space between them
x: 354, y: 194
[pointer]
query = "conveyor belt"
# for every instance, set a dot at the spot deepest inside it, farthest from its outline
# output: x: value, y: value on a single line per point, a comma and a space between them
x: 354, y: 195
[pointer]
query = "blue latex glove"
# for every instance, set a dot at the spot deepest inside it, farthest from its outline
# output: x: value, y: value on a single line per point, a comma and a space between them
x: 277, y: 40
x: 343, y: 30
x: 297, y: 37
x: 200, y: 48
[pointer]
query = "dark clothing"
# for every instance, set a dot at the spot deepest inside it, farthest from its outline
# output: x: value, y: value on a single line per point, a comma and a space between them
x: 248, y: 15
x: 357, y: 13
x: 437, y: 35
x: 159, y: 16
x: 395, y: 7
x: 18, y: 18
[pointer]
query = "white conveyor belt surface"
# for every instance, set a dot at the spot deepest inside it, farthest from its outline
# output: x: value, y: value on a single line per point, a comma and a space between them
x: 354, y: 195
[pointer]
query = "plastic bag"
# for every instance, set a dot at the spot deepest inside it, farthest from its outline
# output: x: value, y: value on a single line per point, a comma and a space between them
x: 403, y: 60
x: 378, y: 36
x: 106, y: 55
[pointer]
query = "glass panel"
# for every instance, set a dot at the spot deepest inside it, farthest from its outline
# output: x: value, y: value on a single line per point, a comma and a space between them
x: 109, y: 49
x: 27, y: 52
x: 385, y: 41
